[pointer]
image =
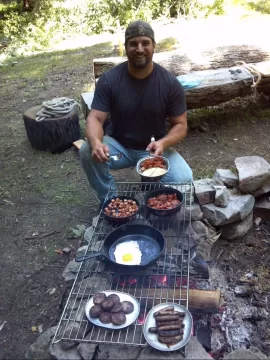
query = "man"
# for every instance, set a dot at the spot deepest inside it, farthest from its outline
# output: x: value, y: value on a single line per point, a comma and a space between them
x: 139, y: 95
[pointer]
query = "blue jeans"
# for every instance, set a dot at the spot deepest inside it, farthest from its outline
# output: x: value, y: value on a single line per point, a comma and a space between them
x: 99, y: 175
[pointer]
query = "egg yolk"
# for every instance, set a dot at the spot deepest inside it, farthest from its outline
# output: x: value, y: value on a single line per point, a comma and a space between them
x: 127, y: 257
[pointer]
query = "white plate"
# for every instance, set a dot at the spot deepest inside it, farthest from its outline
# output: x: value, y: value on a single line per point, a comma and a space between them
x: 130, y: 318
x: 150, y: 321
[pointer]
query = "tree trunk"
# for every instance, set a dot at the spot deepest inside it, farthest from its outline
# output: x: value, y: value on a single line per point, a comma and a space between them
x: 216, y: 87
x: 56, y: 134
x: 179, y: 62
x: 219, y: 86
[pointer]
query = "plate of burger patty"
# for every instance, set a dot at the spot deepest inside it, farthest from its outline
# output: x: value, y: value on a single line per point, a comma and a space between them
x: 112, y: 309
x: 168, y: 327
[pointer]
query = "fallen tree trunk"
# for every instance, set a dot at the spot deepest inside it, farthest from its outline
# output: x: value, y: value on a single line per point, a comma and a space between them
x: 219, y: 86
x: 179, y: 62
x: 215, y: 87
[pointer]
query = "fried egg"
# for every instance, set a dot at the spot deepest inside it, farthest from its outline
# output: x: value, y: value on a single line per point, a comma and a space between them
x: 128, y: 253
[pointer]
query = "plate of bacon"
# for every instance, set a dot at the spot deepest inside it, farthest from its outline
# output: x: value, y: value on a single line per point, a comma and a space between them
x: 163, y: 201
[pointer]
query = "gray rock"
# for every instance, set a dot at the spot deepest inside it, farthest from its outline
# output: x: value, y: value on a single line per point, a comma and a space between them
x: 227, y: 177
x: 253, y: 171
x: 238, y: 229
x: 194, y: 350
x: 263, y: 189
x: 107, y: 351
x: 239, y: 207
x: 59, y: 353
x: 73, y: 267
x: 92, y: 285
x: 73, y: 330
x: 41, y: 348
x: 88, y: 234
x: 204, y: 190
x: 222, y: 196
x: 241, y: 354
x: 87, y: 350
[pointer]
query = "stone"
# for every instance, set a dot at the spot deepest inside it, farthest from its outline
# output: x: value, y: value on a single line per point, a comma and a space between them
x: 194, y: 350
x: 262, y: 207
x: 204, y: 191
x: 241, y: 354
x: 71, y: 270
x: 87, y: 350
x: 239, y: 207
x: 263, y: 189
x: 194, y: 211
x: 227, y: 177
x: 73, y: 330
x: 238, y: 229
x: 41, y: 348
x: 59, y: 353
x: 253, y: 172
x: 88, y: 234
x: 92, y: 285
x: 221, y: 197
x: 121, y: 352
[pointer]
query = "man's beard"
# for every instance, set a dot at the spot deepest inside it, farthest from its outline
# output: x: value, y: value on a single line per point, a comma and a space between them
x: 139, y: 63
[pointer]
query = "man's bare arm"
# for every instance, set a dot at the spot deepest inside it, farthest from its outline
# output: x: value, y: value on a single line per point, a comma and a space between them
x: 176, y: 134
x: 95, y: 133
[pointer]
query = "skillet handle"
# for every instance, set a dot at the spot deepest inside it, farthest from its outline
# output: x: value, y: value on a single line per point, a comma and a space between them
x: 87, y: 257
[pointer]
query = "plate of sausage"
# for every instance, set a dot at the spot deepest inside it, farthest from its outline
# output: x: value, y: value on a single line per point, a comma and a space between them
x: 112, y: 309
x: 168, y: 327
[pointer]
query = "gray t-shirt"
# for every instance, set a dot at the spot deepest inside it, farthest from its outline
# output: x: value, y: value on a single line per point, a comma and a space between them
x: 138, y: 107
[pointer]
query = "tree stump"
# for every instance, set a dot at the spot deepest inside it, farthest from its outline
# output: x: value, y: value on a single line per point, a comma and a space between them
x: 56, y: 134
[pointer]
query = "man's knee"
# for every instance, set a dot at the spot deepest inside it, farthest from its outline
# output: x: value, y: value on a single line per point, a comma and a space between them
x: 85, y: 151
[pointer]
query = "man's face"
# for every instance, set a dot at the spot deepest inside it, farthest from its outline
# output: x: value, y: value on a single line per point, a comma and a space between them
x: 140, y: 51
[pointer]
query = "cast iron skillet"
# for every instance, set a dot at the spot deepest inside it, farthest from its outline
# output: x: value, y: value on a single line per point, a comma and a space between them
x: 150, y: 240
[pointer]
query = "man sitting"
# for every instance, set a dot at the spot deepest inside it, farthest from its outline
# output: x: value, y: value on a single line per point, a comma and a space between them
x: 139, y: 95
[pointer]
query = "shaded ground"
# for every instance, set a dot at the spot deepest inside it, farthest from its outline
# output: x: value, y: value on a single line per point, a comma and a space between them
x: 43, y: 196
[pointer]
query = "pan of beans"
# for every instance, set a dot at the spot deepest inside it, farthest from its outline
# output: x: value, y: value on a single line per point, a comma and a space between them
x: 120, y: 209
x: 163, y: 201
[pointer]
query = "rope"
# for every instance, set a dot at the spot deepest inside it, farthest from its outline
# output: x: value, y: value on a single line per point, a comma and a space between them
x: 56, y: 108
x: 249, y: 69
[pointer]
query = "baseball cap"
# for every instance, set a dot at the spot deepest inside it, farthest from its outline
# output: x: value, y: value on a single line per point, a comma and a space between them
x: 139, y: 28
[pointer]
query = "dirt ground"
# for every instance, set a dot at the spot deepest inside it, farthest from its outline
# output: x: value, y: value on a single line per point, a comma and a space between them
x: 43, y: 197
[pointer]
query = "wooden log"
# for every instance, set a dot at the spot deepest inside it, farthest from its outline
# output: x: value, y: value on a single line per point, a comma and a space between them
x: 55, y: 134
x: 216, y: 87
x: 179, y: 62
x: 206, y: 300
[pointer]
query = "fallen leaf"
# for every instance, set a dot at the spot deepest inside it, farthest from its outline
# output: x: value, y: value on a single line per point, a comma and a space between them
x: 34, y: 328
x: 58, y: 251
x: 51, y: 291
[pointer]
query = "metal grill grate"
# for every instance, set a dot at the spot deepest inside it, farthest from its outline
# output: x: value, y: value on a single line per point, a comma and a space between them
x: 166, y: 281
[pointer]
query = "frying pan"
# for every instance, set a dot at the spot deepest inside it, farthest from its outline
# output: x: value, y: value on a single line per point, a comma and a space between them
x: 151, y: 243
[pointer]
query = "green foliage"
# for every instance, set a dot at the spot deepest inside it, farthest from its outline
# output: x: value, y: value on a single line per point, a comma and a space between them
x: 52, y: 20
x: 262, y: 6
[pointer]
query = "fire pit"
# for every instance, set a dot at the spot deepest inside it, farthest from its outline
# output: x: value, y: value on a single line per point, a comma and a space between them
x: 167, y: 280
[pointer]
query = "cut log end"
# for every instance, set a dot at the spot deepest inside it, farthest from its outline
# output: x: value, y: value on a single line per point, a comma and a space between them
x: 56, y: 134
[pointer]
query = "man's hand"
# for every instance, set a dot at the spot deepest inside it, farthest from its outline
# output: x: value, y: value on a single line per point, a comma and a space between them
x: 100, y: 152
x: 155, y: 148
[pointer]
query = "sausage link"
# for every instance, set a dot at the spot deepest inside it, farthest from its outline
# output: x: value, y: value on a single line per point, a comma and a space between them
x: 164, y: 323
x: 170, y: 340
x: 152, y: 330
x: 168, y: 308
x: 167, y: 317
x: 171, y: 332
x: 170, y: 327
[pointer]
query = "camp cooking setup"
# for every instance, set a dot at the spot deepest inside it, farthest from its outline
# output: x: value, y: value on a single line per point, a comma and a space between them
x: 133, y: 281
